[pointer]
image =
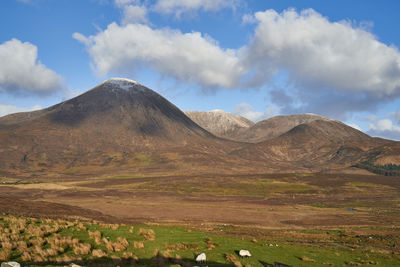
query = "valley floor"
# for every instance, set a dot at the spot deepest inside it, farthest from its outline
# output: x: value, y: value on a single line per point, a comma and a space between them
x: 316, y: 219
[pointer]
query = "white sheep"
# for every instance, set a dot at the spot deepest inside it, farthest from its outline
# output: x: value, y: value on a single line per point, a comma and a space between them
x: 201, y: 257
x: 244, y: 253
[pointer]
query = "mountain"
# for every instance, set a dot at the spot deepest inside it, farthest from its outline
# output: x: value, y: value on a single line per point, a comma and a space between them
x: 122, y: 127
x: 272, y: 127
x: 219, y: 122
x: 319, y: 144
x: 115, y: 122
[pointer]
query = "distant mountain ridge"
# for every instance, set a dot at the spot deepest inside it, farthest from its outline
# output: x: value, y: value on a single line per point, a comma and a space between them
x: 219, y: 122
x: 273, y: 127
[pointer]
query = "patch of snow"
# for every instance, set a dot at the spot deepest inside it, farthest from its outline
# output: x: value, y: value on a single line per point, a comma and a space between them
x: 123, y: 83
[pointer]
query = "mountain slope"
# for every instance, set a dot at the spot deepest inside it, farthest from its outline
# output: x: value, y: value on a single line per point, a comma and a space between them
x: 272, y: 127
x: 315, y: 145
x: 112, y: 122
x: 219, y: 122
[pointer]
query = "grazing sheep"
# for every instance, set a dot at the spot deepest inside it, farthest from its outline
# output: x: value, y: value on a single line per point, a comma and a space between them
x: 244, y: 253
x: 201, y: 257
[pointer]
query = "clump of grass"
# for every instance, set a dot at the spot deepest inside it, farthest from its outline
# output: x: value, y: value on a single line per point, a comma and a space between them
x: 98, y: 253
x: 114, y: 227
x: 5, y: 254
x: 26, y: 256
x: 232, y: 258
x: 131, y: 230
x: 123, y: 241
x: 138, y: 244
x: 305, y: 258
x: 82, y: 248
x: 133, y: 259
x: 7, y: 245
x: 95, y: 234
x: 81, y: 227
x: 148, y: 234
x: 210, y: 244
x: 118, y: 247
x: 37, y: 258
x: 22, y: 246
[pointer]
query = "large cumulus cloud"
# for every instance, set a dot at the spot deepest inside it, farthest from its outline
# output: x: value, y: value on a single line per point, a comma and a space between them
x: 331, y: 68
x: 21, y: 71
x: 189, y: 57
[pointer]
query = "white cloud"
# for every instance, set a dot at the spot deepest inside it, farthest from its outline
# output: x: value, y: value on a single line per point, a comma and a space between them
x: 179, y: 7
x: 81, y: 38
x: 21, y: 71
x: 384, y: 125
x: 321, y: 54
x: 134, y: 14
x: 384, y: 128
x: 247, y: 111
x: 9, y: 109
x: 189, y: 57
x: 248, y: 19
x: 332, y: 68
x: 121, y: 3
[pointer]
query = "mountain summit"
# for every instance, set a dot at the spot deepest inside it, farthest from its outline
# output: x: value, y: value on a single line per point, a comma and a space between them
x: 117, y: 116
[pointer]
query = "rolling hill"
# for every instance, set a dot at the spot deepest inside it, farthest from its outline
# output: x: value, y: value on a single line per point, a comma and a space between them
x: 272, y: 127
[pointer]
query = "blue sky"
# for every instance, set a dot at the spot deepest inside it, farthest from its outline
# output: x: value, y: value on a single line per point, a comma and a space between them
x: 254, y: 58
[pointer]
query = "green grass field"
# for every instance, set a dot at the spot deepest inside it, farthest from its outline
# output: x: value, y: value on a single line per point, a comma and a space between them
x: 47, y: 242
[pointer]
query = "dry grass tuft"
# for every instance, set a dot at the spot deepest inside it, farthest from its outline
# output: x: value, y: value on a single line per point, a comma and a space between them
x: 210, y: 244
x: 26, y: 256
x: 127, y: 255
x: 118, y: 247
x: 95, y: 234
x: 7, y: 245
x: 37, y: 258
x: 123, y: 241
x: 138, y: 244
x: 22, y: 246
x: 5, y: 254
x: 81, y: 227
x: 148, y: 234
x: 98, y: 253
x: 82, y: 249
x: 110, y: 247
x: 232, y: 258
x: 131, y: 230
x: 305, y: 258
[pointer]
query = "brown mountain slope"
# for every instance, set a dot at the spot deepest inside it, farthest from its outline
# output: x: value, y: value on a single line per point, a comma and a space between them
x: 317, y: 145
x: 112, y: 124
x: 272, y: 127
x: 219, y: 122
x: 122, y: 127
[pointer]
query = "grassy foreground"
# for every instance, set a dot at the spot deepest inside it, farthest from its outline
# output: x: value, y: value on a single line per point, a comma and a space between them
x: 49, y: 242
